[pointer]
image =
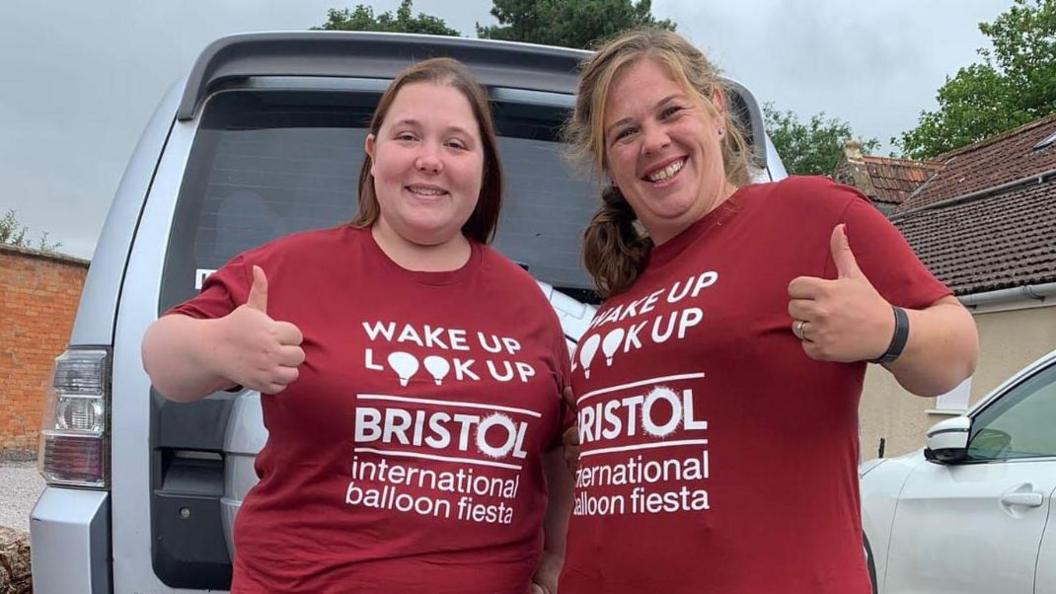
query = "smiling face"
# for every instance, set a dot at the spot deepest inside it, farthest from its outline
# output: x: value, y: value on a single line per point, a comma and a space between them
x: 427, y: 163
x: 663, y: 149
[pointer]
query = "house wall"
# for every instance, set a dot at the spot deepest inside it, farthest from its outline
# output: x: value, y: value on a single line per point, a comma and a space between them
x: 38, y: 299
x: 1008, y: 341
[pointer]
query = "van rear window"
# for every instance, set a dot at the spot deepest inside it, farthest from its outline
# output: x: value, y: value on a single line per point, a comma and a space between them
x: 269, y: 163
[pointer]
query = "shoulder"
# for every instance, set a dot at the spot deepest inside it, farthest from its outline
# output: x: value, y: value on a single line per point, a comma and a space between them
x: 313, y: 244
x: 514, y: 283
x: 496, y: 264
x: 813, y: 194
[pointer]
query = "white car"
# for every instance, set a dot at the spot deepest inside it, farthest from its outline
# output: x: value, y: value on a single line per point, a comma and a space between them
x: 971, y: 512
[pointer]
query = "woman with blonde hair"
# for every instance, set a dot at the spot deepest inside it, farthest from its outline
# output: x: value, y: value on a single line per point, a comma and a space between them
x: 717, y: 388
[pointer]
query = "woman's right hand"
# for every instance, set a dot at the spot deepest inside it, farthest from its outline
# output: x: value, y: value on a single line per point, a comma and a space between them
x: 252, y: 349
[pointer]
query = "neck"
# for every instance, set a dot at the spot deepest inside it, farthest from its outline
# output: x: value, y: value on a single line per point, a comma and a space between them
x: 444, y: 256
x: 669, y: 232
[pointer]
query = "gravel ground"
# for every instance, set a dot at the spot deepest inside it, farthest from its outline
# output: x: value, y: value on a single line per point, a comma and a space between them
x: 20, y: 485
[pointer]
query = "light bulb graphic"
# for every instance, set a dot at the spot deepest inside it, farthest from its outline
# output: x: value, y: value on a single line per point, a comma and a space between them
x: 404, y: 364
x: 586, y: 353
x: 611, y: 344
x: 437, y: 367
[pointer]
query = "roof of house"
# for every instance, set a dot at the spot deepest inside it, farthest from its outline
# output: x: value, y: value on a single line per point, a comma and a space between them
x: 885, y: 180
x: 987, y: 164
x: 995, y: 241
x: 895, y: 179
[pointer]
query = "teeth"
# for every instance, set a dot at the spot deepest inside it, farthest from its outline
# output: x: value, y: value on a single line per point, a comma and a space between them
x: 668, y: 171
x: 426, y: 191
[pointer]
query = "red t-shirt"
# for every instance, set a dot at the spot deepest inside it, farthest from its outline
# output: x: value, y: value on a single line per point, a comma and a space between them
x: 407, y: 456
x: 716, y: 456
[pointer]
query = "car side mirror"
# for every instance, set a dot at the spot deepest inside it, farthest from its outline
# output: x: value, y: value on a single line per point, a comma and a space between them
x: 948, y: 440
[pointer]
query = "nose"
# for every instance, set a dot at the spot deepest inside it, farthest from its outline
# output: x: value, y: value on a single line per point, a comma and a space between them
x: 429, y: 161
x: 654, y: 139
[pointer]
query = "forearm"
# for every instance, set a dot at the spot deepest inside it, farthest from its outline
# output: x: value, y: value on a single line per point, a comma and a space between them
x: 942, y: 350
x: 178, y: 352
x: 559, y: 504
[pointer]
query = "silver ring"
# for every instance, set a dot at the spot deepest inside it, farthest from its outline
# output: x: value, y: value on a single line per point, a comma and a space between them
x: 797, y: 329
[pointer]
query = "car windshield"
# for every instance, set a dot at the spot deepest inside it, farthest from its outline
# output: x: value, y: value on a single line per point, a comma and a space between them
x: 267, y: 163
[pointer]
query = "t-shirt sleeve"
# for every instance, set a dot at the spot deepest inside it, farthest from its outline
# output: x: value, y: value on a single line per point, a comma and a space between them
x: 886, y: 257
x: 222, y: 292
x: 563, y: 379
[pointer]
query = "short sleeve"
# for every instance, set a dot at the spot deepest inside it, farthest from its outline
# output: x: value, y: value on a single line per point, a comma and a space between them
x: 222, y: 292
x: 886, y: 257
x: 562, y: 379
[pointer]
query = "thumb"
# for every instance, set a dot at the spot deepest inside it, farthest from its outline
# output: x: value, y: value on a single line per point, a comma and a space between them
x: 258, y: 293
x: 842, y: 256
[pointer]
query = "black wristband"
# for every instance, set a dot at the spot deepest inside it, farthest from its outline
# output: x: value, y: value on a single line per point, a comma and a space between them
x: 898, y: 339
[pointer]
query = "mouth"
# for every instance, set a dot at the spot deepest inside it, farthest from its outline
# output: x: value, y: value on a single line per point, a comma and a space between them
x: 426, y: 190
x: 665, y: 172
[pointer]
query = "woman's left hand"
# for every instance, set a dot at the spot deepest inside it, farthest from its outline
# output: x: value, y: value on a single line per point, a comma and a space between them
x: 843, y: 319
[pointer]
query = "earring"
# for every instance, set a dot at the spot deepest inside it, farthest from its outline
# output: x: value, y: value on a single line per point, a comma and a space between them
x: 720, y: 131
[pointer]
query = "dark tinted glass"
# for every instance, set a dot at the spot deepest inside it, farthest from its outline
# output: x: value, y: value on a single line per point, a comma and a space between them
x: 1020, y: 424
x: 269, y: 163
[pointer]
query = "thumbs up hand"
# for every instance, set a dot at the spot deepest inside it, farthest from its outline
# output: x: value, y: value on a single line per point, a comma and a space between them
x: 843, y: 319
x: 256, y: 351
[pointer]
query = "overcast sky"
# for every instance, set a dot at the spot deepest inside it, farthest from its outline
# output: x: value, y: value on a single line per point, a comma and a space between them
x: 78, y: 80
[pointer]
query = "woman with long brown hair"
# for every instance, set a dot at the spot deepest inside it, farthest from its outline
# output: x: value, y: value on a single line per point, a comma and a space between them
x: 411, y: 435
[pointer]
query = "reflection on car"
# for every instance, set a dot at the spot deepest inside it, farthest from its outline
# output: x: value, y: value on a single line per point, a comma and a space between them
x: 970, y: 512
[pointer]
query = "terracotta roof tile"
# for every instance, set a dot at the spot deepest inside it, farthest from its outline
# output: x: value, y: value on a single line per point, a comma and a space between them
x: 998, y: 160
x: 885, y: 180
x: 895, y: 179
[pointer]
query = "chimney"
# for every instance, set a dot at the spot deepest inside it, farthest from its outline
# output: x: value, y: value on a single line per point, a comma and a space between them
x: 852, y: 149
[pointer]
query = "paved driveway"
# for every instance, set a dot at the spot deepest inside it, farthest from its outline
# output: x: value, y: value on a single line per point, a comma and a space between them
x: 20, y: 485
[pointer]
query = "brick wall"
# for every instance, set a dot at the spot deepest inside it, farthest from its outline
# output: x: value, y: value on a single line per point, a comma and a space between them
x: 38, y: 298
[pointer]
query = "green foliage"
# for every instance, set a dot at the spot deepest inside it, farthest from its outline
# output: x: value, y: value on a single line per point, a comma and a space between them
x: 569, y: 23
x: 1014, y: 84
x: 812, y: 147
x: 362, y: 18
x: 15, y: 234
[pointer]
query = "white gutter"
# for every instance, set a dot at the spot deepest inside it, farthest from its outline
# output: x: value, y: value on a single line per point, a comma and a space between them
x: 1037, y: 292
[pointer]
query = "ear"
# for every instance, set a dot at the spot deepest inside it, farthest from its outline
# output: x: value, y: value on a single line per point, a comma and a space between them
x: 718, y: 99
x: 368, y: 147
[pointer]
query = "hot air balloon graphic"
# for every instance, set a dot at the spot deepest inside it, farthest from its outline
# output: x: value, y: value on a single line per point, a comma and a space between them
x: 586, y: 353
x: 437, y: 367
x: 611, y: 344
x: 404, y: 364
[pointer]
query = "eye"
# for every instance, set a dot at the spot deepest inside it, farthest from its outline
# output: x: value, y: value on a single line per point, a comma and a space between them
x: 456, y: 144
x: 670, y: 111
x: 624, y: 133
x: 406, y: 136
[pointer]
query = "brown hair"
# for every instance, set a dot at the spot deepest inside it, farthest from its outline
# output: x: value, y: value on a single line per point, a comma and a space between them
x: 485, y: 216
x: 614, y: 249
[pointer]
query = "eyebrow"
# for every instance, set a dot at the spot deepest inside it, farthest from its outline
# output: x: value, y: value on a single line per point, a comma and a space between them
x: 415, y: 123
x: 659, y: 104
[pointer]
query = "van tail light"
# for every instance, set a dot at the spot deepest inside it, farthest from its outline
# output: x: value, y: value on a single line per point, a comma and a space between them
x: 75, y: 432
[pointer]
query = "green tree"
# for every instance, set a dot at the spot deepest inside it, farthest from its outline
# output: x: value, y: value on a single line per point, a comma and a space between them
x: 1014, y: 84
x: 569, y: 23
x: 362, y: 18
x: 14, y: 233
x: 812, y: 147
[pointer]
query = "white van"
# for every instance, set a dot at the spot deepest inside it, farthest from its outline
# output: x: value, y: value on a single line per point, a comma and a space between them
x: 262, y: 139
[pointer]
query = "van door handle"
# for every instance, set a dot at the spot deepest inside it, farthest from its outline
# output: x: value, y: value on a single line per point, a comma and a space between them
x: 1028, y: 499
